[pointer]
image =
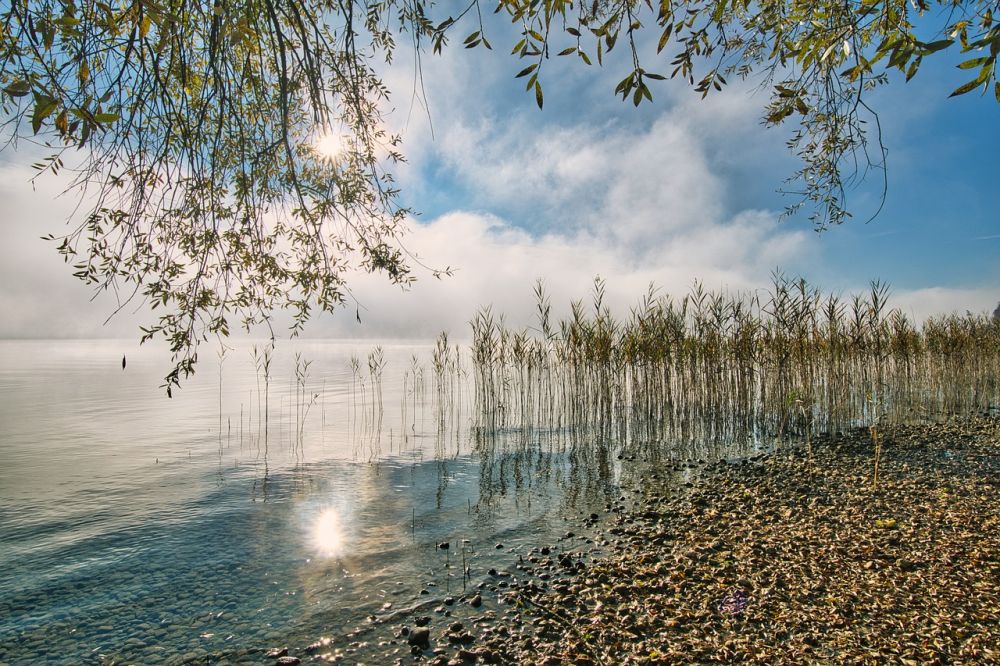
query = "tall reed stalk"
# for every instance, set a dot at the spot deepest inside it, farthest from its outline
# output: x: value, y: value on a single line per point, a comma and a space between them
x: 792, y: 358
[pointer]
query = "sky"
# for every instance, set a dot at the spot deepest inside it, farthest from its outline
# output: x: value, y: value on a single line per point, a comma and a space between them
x: 679, y: 190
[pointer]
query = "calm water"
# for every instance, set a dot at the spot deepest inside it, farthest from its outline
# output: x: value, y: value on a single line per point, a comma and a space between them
x: 255, y: 508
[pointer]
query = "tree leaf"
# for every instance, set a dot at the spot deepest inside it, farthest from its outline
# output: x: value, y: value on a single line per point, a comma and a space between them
x: 18, y: 88
x: 527, y: 70
x: 44, y: 107
x: 962, y: 89
x: 665, y: 37
x: 973, y: 63
x: 934, y: 47
x: 538, y: 94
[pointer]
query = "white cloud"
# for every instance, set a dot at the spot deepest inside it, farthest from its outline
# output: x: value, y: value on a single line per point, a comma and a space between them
x: 497, y: 265
x: 521, y: 194
x: 918, y: 304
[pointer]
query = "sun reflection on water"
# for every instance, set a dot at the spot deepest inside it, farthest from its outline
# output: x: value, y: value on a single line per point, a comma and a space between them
x: 328, y: 533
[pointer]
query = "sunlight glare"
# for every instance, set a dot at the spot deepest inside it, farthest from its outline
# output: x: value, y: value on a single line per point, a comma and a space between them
x: 329, y: 146
x: 328, y: 534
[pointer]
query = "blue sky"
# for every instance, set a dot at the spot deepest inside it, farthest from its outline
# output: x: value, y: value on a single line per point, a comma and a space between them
x: 673, y: 191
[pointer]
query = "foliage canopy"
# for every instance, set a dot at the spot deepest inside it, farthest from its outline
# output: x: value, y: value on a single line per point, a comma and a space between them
x: 197, y: 121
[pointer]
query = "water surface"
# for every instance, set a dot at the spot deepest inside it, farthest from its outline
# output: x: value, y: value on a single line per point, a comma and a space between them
x: 258, y: 507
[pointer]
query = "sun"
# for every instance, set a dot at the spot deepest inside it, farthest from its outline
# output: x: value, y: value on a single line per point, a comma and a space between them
x: 329, y: 146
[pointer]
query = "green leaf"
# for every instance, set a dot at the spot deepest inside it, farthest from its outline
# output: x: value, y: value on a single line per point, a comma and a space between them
x: 527, y: 70
x: 44, y: 107
x: 973, y: 63
x: 984, y: 73
x: 962, y: 89
x: 900, y: 56
x: 18, y: 88
x: 538, y: 94
x: 567, y: 51
x: 625, y: 85
x: 934, y: 47
x: 105, y: 118
x: 665, y: 37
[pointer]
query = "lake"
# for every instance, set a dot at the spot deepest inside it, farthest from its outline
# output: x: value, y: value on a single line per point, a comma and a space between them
x: 269, y: 502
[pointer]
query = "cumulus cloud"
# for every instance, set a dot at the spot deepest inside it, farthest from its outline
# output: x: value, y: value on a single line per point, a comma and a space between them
x: 567, y: 201
x: 662, y: 195
x: 497, y: 265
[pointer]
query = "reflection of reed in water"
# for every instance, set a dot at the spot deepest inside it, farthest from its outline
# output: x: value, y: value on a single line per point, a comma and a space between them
x: 449, y: 397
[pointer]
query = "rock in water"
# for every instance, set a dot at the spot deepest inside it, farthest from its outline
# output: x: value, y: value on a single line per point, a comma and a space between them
x: 420, y: 637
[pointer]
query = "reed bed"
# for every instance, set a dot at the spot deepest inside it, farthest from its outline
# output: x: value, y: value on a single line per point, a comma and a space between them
x: 724, y: 366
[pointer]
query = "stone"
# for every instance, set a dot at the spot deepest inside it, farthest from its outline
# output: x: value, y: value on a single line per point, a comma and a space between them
x: 420, y: 637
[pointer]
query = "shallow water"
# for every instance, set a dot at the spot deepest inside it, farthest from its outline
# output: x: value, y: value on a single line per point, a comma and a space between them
x: 153, y: 530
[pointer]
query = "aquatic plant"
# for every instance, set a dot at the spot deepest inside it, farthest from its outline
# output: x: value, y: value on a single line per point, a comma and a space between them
x: 789, y: 361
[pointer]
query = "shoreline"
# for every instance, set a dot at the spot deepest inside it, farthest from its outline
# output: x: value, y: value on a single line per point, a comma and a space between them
x: 785, y: 560
x: 779, y: 558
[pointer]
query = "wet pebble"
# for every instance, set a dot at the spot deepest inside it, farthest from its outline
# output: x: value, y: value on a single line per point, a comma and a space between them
x: 420, y: 637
